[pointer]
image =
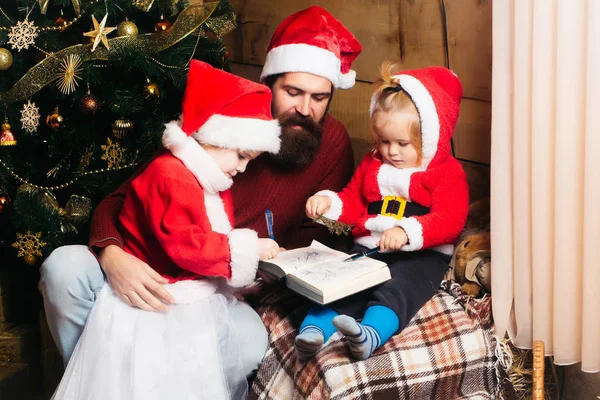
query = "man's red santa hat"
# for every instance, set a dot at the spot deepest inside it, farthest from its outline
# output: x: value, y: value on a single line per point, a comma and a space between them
x: 313, y: 41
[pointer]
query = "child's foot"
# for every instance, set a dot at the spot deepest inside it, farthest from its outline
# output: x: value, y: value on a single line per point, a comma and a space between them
x: 363, y: 339
x: 309, y: 342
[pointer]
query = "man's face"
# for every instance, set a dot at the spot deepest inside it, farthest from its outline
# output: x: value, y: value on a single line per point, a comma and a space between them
x: 301, y: 93
x: 300, y: 102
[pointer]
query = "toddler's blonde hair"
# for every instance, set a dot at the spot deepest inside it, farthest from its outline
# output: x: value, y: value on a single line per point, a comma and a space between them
x: 391, y: 98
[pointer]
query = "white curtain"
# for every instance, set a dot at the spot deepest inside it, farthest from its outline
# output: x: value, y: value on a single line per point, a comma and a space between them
x: 545, y: 180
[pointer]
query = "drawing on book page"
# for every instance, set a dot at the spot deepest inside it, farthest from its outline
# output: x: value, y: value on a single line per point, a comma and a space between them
x: 298, y: 258
x: 336, y: 271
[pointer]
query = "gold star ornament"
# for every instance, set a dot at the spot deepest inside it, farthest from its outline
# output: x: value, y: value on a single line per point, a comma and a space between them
x: 100, y: 31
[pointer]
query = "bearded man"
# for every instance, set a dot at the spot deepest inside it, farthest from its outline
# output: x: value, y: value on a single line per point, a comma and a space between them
x: 310, y: 56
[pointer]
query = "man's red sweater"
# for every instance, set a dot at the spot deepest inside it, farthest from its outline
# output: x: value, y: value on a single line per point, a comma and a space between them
x: 262, y: 186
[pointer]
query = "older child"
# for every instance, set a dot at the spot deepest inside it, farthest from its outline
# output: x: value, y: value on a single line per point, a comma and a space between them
x: 178, y: 218
x: 409, y: 196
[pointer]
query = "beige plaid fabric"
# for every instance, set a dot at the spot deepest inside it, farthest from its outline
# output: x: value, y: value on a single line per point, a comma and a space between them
x: 442, y: 354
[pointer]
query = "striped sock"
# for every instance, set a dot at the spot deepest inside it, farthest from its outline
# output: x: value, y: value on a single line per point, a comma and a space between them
x: 309, y: 342
x: 363, y: 339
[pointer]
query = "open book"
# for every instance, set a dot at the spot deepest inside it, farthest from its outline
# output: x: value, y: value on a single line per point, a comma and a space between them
x: 319, y: 273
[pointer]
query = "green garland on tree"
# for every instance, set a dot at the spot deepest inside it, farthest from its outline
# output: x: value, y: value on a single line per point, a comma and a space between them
x: 85, y: 89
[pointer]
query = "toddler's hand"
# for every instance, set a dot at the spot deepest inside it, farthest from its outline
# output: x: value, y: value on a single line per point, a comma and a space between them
x: 392, y: 239
x: 267, y: 249
x: 317, y: 205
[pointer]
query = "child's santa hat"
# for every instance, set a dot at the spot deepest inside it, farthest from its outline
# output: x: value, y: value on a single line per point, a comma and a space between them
x: 436, y: 93
x: 223, y: 110
x: 313, y: 41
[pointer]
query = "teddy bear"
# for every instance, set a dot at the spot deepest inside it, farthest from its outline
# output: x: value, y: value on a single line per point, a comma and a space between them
x: 471, y: 263
x: 471, y: 260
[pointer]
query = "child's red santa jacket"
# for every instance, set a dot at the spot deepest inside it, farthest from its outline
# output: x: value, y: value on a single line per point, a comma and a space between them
x: 178, y: 219
x: 439, y: 183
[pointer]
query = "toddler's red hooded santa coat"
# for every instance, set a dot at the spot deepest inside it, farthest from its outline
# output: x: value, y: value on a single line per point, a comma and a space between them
x: 439, y: 183
x: 178, y: 213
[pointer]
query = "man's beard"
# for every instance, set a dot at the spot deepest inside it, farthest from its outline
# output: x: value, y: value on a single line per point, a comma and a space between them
x: 298, y: 146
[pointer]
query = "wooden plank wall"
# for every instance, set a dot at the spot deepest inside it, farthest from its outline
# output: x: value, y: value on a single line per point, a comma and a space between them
x: 421, y: 33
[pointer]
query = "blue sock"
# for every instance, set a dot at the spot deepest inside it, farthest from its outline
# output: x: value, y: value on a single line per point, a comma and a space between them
x: 377, y: 327
x: 315, y: 330
x: 384, y: 320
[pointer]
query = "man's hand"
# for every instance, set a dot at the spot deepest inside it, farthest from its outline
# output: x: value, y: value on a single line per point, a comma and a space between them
x: 134, y: 281
x: 392, y: 239
x: 317, y: 205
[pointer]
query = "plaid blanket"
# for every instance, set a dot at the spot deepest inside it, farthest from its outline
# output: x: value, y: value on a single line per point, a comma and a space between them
x: 444, y: 353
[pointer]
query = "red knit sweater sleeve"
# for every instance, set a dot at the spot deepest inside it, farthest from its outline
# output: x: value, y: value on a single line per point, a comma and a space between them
x: 104, y: 227
x: 337, y: 162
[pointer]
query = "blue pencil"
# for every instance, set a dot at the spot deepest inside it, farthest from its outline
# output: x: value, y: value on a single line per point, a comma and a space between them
x: 269, y: 218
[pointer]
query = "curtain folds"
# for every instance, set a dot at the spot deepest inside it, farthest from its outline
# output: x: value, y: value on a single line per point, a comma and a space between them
x: 545, y: 168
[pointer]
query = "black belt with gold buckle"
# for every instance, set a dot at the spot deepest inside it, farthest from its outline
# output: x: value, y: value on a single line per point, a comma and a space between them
x: 396, y: 207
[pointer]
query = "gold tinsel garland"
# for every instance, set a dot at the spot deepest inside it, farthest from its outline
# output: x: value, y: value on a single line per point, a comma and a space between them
x: 72, y: 181
x: 188, y: 20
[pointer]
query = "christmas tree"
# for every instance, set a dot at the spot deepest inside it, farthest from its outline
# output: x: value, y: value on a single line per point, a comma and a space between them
x: 85, y: 89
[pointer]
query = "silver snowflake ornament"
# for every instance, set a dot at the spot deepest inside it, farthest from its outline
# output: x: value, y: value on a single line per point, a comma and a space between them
x: 30, y: 117
x: 22, y: 35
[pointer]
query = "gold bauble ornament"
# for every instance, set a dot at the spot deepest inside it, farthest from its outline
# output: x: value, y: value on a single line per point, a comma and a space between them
x: 30, y: 259
x: 151, y: 90
x: 162, y: 25
x: 55, y: 120
x: 89, y: 104
x: 6, y: 137
x: 127, y: 28
x: 122, y: 127
x: 4, y: 202
x: 6, y: 59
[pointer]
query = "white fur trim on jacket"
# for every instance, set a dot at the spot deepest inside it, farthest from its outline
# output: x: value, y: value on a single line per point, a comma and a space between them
x: 240, y: 133
x: 369, y: 241
x: 335, y: 210
x: 215, y: 211
x: 244, y: 256
x: 377, y: 225
x: 301, y: 57
x: 195, y: 158
x: 381, y: 223
x: 430, y: 122
x: 414, y: 231
x: 394, y: 181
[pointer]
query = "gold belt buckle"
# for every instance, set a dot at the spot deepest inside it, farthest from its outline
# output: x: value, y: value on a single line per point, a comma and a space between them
x: 400, y: 213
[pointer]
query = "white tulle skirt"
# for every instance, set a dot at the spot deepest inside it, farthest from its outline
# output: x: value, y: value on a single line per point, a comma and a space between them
x: 126, y: 353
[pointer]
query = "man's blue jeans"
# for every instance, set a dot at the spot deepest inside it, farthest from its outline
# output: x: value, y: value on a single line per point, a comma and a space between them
x: 70, y: 280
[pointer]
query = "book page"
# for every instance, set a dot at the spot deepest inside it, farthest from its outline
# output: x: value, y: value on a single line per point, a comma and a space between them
x: 336, y: 272
x: 316, y: 253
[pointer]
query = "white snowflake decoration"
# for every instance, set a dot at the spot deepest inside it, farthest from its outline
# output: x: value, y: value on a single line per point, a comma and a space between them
x: 30, y: 117
x: 22, y: 35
